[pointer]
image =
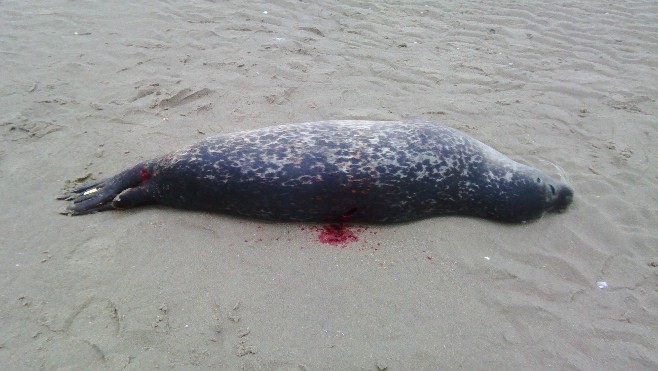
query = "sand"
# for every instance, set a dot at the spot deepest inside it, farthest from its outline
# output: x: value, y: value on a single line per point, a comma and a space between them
x: 91, y: 88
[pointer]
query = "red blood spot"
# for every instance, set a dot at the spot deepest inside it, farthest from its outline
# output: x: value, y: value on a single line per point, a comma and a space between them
x: 342, y: 235
x: 145, y: 175
x: 336, y: 234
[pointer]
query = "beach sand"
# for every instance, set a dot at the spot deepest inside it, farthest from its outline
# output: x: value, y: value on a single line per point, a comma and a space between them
x: 90, y: 88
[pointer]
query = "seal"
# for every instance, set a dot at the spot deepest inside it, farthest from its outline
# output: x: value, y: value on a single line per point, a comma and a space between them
x: 335, y: 171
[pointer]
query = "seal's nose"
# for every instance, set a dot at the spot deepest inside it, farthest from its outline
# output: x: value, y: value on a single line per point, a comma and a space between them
x: 560, y: 196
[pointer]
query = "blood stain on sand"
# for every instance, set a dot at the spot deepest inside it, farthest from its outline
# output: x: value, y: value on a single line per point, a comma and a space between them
x: 340, y: 235
x: 336, y: 234
x: 344, y: 236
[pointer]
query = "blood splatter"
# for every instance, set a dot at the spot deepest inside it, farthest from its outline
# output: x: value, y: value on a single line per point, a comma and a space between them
x: 336, y: 234
x: 341, y: 235
x: 145, y: 175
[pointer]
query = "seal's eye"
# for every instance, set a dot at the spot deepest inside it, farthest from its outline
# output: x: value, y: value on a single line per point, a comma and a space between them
x: 552, y: 189
x: 538, y: 180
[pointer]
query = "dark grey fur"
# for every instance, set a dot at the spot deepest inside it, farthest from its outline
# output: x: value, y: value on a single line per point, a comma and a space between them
x: 372, y: 171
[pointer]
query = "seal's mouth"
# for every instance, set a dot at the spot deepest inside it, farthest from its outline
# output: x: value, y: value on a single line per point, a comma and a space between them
x: 558, y: 196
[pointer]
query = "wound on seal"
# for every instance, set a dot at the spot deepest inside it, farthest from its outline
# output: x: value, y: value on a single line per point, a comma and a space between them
x: 145, y: 175
x: 348, y: 215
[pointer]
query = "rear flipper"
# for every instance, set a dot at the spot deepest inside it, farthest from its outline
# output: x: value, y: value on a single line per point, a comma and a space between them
x: 132, y: 197
x: 124, y: 190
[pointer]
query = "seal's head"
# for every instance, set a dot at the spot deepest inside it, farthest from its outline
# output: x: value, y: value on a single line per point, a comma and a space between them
x: 558, y: 195
x: 525, y: 195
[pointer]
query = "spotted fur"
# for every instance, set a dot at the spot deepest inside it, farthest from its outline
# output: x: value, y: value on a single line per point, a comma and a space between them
x: 372, y: 171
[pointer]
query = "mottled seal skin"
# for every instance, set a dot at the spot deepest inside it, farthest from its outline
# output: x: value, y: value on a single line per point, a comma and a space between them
x: 329, y: 171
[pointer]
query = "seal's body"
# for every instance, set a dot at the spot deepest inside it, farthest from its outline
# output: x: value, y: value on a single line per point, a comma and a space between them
x: 370, y: 171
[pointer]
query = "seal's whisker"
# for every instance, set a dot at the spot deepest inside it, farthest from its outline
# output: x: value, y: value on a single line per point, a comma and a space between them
x: 564, y: 178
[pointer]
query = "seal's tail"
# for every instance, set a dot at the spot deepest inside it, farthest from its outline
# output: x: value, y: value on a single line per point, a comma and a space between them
x: 99, y: 196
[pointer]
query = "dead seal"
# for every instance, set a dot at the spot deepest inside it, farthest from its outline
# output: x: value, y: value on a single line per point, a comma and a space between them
x: 329, y: 171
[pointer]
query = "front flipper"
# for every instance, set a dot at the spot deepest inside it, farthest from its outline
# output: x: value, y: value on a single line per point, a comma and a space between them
x: 99, y: 196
